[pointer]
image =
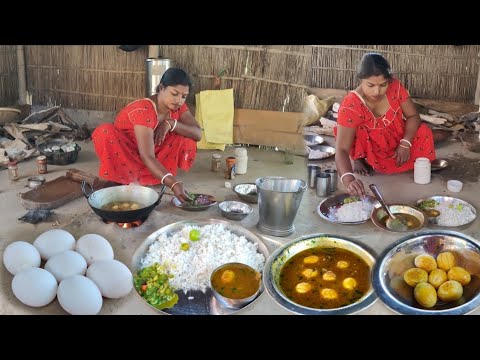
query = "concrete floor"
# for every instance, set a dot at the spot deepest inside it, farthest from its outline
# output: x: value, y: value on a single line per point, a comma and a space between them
x: 78, y: 218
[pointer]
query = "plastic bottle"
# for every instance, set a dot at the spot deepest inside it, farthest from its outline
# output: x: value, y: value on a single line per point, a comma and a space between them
x: 242, y: 161
x: 422, y: 171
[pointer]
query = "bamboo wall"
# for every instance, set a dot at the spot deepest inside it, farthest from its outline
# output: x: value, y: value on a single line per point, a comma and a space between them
x: 437, y: 72
x: 265, y: 77
x: 105, y: 78
x: 262, y: 77
x: 89, y: 77
x: 8, y: 75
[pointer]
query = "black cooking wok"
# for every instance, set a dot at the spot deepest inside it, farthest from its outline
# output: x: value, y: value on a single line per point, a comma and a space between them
x: 146, y: 197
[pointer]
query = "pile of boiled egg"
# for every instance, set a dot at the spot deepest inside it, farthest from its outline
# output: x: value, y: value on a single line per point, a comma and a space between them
x: 79, y: 273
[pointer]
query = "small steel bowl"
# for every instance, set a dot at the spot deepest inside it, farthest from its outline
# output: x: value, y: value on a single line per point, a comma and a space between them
x: 247, y: 192
x: 379, y: 213
x: 235, y: 210
x: 399, y: 257
x: 230, y: 302
x: 35, y: 181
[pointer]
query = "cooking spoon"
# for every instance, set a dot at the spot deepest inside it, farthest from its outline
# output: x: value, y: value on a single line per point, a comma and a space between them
x: 394, y: 223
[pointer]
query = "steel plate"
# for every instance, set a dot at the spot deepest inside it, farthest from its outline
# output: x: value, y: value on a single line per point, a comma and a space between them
x: 274, y: 265
x: 441, y: 199
x: 399, y: 257
x: 336, y: 201
x: 190, y: 207
x: 202, y: 303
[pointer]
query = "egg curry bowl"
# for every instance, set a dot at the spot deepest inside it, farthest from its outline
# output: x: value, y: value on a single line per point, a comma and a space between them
x: 321, y: 274
x: 430, y: 273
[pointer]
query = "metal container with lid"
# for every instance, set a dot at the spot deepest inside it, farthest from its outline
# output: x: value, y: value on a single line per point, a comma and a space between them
x: 156, y: 67
x: 216, y: 165
x: 13, y: 171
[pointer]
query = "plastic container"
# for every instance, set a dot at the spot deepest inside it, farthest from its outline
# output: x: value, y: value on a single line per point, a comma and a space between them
x: 454, y: 185
x: 242, y: 161
x: 422, y: 171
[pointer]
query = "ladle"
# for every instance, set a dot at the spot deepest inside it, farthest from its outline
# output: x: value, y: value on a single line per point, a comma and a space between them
x: 394, y: 223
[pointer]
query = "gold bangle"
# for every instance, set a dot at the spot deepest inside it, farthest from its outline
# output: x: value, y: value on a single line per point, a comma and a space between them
x: 175, y: 183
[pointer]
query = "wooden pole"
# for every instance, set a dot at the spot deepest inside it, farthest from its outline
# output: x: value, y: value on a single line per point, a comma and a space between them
x: 477, y: 92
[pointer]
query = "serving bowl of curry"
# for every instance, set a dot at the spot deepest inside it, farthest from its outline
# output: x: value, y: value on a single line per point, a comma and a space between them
x: 235, y: 285
x: 321, y: 274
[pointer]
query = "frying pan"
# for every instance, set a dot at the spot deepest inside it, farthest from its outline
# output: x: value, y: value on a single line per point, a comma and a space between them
x: 146, y: 197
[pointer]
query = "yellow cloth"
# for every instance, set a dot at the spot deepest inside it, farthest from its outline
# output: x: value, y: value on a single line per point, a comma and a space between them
x: 214, y: 112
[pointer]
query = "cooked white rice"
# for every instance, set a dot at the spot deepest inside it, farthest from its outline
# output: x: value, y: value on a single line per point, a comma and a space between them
x: 192, y: 268
x: 454, y: 213
x: 351, y: 212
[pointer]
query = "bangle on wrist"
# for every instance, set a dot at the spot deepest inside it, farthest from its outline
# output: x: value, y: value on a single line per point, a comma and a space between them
x: 164, y: 176
x: 408, y: 142
x: 405, y: 147
x: 347, y: 173
x: 170, y: 126
x: 175, y: 183
x: 174, y: 125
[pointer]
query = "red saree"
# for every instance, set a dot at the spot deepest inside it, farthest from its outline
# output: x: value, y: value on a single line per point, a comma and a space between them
x: 117, y: 149
x: 377, y: 138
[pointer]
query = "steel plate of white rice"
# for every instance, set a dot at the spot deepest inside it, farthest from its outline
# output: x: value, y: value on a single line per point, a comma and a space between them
x: 191, y: 269
x: 351, y: 212
x: 454, y: 213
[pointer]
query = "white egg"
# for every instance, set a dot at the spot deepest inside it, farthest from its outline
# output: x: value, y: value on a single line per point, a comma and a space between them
x: 112, y: 277
x: 79, y: 295
x: 94, y: 247
x: 21, y: 255
x: 34, y: 287
x: 53, y: 242
x: 66, y: 264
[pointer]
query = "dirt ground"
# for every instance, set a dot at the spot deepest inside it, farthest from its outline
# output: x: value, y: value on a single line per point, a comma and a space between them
x: 461, y: 167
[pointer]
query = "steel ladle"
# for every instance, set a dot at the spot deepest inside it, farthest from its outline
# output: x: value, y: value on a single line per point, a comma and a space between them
x: 394, y: 223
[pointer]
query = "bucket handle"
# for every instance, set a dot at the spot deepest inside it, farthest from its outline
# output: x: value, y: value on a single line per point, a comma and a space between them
x: 302, y: 188
x: 84, y: 189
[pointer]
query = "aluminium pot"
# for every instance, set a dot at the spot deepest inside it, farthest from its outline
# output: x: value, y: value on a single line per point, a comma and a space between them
x: 146, y: 197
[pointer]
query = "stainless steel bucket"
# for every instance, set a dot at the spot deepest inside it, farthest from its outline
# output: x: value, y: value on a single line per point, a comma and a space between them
x: 155, y: 69
x: 278, y: 202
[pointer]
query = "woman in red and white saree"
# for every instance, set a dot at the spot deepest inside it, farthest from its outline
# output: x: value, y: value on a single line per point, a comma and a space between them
x: 151, y: 138
x: 378, y: 127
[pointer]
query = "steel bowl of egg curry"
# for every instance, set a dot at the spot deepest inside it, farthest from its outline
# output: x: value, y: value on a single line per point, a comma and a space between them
x: 321, y: 274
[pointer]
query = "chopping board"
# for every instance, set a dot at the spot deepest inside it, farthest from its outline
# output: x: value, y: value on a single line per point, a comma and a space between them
x: 60, y: 191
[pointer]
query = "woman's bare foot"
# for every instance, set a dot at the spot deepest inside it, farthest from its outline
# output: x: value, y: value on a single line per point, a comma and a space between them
x: 361, y: 167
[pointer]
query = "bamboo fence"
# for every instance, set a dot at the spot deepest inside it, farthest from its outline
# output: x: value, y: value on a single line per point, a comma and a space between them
x: 437, y: 72
x: 264, y: 77
x: 8, y: 75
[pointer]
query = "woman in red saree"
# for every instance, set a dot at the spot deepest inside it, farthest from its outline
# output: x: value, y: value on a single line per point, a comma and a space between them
x: 378, y: 127
x: 151, y: 138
